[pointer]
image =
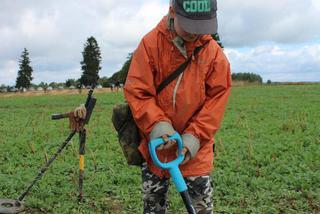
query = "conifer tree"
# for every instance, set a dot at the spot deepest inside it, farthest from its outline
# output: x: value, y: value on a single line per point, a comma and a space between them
x: 91, y: 62
x: 25, y: 71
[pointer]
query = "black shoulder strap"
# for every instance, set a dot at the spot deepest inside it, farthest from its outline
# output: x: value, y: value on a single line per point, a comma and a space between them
x: 179, y: 70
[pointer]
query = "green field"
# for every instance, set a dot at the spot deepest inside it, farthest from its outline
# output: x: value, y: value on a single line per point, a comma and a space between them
x: 267, y: 155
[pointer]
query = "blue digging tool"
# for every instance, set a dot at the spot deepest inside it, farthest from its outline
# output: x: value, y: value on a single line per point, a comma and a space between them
x: 173, y: 168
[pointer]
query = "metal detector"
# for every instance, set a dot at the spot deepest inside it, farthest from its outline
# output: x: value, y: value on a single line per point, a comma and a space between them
x: 9, y: 206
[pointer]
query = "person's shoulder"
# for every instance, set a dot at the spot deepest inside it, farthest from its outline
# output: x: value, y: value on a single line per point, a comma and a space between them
x: 213, y: 46
x: 148, y: 43
x: 213, y: 49
x: 150, y: 39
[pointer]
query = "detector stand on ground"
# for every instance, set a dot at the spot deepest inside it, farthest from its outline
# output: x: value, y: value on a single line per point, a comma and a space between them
x: 9, y: 206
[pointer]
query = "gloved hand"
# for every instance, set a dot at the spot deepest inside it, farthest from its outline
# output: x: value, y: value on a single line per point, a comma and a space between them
x: 76, y: 118
x: 187, y: 155
x: 169, y: 143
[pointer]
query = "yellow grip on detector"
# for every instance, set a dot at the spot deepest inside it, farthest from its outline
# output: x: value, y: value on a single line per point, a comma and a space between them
x: 81, y: 162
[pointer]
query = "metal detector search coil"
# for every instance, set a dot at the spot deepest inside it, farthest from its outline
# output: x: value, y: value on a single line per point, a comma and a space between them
x: 8, y: 206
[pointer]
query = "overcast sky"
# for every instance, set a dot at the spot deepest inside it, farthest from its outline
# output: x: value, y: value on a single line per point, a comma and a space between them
x: 278, y: 39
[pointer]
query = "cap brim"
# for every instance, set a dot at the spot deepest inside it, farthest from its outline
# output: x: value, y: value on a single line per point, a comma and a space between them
x: 209, y: 26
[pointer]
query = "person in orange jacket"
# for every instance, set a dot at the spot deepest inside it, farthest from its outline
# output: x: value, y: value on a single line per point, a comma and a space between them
x: 192, y: 105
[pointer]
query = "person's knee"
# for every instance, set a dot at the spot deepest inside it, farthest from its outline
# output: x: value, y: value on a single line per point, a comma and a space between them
x: 155, y: 204
x: 200, y: 189
x: 154, y: 191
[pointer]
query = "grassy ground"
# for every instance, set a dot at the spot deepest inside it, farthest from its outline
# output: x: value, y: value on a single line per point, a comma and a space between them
x: 267, y: 155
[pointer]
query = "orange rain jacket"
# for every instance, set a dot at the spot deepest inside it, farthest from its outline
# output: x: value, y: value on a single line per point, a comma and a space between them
x: 193, y: 104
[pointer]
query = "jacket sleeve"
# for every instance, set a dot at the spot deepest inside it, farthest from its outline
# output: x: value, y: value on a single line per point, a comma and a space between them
x: 205, y: 123
x: 140, y: 92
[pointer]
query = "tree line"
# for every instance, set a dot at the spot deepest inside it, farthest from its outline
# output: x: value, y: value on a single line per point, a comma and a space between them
x: 247, y: 77
x: 91, y: 65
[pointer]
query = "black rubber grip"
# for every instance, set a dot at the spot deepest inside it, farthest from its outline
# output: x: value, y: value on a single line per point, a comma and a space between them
x: 59, y: 116
x: 187, y: 202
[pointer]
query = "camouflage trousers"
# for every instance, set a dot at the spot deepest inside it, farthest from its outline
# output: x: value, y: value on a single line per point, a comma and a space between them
x: 155, y: 192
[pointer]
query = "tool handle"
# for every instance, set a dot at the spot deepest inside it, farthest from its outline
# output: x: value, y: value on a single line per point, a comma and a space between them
x: 153, y: 144
x: 187, y: 202
x: 178, y: 179
x: 173, y: 168
x: 59, y: 116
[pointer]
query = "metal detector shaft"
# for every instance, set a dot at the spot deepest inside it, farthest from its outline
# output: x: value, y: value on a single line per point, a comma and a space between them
x: 46, y: 166
x: 82, y: 148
